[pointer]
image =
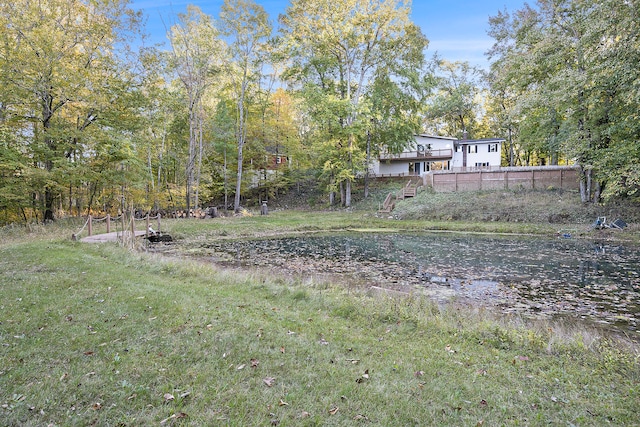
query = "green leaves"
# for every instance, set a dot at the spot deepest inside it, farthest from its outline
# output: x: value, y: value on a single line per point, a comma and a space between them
x: 567, y: 67
x: 338, y: 51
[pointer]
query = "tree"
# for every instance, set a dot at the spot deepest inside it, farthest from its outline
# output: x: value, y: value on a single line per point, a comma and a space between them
x: 197, y: 55
x: 336, y: 50
x: 454, y: 107
x: 569, y: 63
x: 247, y: 24
x: 395, y: 109
x: 63, y: 73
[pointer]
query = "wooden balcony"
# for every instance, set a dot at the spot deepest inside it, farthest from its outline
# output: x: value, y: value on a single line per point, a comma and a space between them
x: 442, y: 154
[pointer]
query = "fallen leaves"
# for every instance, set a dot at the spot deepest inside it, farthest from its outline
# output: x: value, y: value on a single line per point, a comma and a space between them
x: 363, y: 377
x: 530, y: 276
x: 269, y: 381
x: 177, y: 415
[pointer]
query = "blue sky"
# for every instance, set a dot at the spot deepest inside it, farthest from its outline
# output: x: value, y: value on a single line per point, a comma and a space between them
x: 457, y: 30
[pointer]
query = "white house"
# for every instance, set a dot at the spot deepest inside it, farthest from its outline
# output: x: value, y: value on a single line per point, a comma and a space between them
x: 432, y: 153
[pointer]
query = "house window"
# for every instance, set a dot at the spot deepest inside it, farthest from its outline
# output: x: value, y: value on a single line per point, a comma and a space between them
x: 493, y: 148
x: 472, y: 149
x: 482, y: 164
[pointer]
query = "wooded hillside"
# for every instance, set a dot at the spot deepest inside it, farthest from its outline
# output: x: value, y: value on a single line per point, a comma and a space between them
x: 93, y: 120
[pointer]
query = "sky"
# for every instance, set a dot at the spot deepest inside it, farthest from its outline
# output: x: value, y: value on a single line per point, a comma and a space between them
x: 456, y: 29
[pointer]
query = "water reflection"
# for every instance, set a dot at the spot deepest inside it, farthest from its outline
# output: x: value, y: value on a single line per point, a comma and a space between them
x: 542, y: 276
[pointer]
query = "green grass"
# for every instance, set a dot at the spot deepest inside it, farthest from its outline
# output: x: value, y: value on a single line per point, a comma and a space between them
x: 101, y: 335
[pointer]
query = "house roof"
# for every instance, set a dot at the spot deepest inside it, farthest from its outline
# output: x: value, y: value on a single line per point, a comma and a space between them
x: 480, y: 141
x: 463, y: 141
x: 448, y: 138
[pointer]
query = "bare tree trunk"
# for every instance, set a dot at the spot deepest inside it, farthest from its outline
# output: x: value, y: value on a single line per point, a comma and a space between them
x: 241, y: 132
x: 366, y: 172
x: 347, y: 197
x: 597, y: 192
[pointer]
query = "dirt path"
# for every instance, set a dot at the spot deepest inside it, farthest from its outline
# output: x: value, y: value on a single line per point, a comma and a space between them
x: 107, y: 237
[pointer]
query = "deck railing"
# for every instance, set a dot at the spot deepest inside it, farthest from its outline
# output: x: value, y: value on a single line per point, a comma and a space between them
x: 427, y: 154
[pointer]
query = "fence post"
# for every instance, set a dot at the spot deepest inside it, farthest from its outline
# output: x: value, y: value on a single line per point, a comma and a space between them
x: 108, y: 223
x: 123, y: 225
x: 89, y: 229
x: 133, y: 226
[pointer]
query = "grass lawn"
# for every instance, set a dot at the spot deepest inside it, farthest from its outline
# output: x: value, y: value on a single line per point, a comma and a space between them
x: 104, y: 335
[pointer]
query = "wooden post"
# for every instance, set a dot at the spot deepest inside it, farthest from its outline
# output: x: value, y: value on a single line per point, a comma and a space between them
x: 90, y: 230
x: 123, y: 225
x: 146, y: 231
x: 108, y: 223
x: 133, y: 226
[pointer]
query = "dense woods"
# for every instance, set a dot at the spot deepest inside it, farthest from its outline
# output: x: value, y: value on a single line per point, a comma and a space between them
x: 241, y: 107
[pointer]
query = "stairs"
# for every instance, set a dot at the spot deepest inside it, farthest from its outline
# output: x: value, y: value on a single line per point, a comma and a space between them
x: 388, y: 204
x: 409, y: 190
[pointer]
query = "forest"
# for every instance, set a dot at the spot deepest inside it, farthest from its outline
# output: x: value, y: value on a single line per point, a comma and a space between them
x: 244, y: 106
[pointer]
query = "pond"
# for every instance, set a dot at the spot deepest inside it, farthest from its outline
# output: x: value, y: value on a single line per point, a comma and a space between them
x: 538, y: 277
